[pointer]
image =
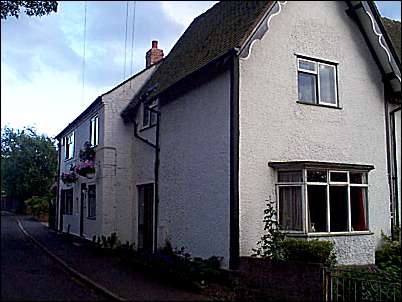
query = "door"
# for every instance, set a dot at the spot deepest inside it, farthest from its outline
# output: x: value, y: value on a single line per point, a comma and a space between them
x: 62, y: 208
x: 146, y: 217
x: 83, y: 197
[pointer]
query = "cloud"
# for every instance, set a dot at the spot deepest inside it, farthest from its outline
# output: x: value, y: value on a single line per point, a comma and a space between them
x: 41, y: 58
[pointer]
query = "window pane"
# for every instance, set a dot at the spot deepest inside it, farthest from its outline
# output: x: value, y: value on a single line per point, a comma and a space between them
x: 317, y: 208
x: 307, y: 87
x: 327, y: 84
x: 338, y: 176
x: 290, y: 176
x: 338, y: 197
x: 290, y: 208
x: 307, y: 65
x: 358, y: 178
x: 358, y: 203
x: 92, y: 201
x: 145, y: 116
x: 316, y: 176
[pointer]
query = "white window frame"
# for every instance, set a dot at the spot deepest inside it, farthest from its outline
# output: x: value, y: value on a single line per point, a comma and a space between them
x: 149, y: 114
x: 316, y: 72
x: 91, y: 215
x: 94, y: 130
x: 304, y: 198
x: 70, y: 145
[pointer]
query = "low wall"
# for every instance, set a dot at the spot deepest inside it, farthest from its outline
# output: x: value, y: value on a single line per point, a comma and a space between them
x: 262, y: 279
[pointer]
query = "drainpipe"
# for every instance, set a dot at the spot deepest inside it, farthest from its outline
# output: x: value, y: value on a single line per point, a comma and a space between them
x: 156, y: 171
x: 389, y: 172
x: 395, y: 167
x: 56, y: 222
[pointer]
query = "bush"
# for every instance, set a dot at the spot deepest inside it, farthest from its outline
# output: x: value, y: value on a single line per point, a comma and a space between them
x: 388, y: 259
x: 313, y: 251
x: 38, y: 205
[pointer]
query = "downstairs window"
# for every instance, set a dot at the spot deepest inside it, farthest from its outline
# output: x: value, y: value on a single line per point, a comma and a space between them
x: 319, y: 200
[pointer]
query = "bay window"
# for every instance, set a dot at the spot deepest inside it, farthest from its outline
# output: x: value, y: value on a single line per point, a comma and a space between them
x: 322, y: 200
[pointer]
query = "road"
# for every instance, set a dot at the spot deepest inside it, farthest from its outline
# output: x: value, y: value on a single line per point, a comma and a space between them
x: 27, y: 273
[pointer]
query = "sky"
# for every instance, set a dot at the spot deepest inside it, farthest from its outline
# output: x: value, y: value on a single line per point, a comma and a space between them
x: 42, y: 57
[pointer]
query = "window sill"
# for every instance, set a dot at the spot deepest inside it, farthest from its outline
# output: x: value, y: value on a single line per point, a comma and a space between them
x: 92, y: 218
x: 147, y: 127
x: 319, y: 105
x: 331, y: 234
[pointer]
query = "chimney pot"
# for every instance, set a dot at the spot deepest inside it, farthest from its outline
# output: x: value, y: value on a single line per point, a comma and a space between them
x: 154, y: 44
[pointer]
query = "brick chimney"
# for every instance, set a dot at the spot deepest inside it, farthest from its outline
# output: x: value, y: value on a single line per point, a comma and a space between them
x: 153, y: 55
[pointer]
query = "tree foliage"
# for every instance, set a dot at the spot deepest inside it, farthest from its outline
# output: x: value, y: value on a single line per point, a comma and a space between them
x: 28, y: 163
x: 32, y: 8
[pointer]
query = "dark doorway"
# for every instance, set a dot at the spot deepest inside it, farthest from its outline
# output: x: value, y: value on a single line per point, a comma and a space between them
x: 146, y: 217
x: 62, y: 208
x: 83, y: 197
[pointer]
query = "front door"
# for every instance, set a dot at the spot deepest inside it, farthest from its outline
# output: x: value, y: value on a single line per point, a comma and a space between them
x: 146, y: 217
x: 83, y: 197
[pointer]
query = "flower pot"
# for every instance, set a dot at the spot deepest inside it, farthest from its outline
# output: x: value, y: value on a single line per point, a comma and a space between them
x: 90, y: 175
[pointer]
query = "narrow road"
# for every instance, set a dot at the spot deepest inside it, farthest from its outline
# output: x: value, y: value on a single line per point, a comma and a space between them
x: 28, y: 274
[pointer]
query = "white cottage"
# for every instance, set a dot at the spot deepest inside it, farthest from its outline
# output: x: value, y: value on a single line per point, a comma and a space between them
x: 298, y: 102
x: 103, y: 204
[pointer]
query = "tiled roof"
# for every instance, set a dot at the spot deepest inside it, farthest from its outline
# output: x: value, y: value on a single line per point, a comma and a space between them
x: 211, y: 35
x: 223, y: 27
x: 393, y: 29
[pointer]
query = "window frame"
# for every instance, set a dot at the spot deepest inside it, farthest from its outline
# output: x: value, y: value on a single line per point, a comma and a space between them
x: 89, y: 214
x: 69, y: 145
x: 94, y: 125
x: 316, y: 72
x: 149, y: 113
x: 305, y: 202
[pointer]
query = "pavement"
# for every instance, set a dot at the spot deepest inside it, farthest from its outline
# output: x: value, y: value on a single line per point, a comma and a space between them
x: 105, y: 273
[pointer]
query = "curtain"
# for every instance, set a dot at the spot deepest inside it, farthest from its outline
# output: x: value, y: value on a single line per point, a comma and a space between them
x: 290, y: 208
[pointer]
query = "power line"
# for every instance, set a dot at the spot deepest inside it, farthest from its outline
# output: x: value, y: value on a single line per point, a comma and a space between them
x: 125, y: 44
x: 83, y: 57
x: 132, y: 40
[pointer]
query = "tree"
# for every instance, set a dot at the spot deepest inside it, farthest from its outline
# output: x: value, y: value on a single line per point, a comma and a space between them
x: 28, y: 163
x: 32, y: 8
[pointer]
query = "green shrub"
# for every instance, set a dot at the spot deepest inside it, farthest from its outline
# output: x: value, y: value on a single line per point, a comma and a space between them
x: 388, y: 259
x: 38, y: 205
x: 313, y: 251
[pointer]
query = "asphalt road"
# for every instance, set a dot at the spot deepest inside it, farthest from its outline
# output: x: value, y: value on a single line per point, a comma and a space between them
x: 28, y: 274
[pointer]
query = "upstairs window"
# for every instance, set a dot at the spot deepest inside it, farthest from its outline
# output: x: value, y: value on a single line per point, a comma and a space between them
x: 317, y: 82
x: 69, y: 146
x: 322, y: 200
x: 148, y: 117
x: 94, y: 131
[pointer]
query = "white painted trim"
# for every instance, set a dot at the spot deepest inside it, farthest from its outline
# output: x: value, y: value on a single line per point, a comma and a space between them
x: 379, y: 36
x: 256, y: 28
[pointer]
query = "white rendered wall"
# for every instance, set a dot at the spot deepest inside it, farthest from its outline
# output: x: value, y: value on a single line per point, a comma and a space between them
x: 119, y: 165
x: 273, y: 127
x: 91, y: 227
x: 194, y: 170
x: 114, y: 166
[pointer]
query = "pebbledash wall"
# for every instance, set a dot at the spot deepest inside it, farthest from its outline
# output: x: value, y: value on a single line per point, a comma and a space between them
x: 274, y: 127
x: 194, y: 170
x: 115, y: 189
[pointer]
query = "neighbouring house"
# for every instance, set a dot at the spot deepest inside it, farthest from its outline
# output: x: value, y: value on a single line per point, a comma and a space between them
x: 100, y: 204
x: 297, y: 102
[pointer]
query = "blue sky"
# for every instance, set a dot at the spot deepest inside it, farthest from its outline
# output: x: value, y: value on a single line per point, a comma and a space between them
x: 41, y: 58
